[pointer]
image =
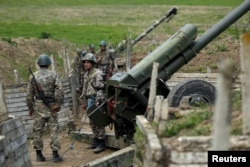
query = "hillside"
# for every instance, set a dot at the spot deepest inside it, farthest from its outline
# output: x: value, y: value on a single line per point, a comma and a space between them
x: 19, y: 54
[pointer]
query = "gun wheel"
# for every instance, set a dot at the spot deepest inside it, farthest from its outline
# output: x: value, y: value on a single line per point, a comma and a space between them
x: 199, y: 93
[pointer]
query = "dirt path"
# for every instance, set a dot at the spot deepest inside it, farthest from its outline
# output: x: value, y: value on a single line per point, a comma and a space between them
x: 73, y: 157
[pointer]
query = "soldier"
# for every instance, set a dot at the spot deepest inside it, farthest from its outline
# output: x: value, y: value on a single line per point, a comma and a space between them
x: 105, y: 60
x: 92, y: 94
x: 92, y: 49
x: 44, y: 109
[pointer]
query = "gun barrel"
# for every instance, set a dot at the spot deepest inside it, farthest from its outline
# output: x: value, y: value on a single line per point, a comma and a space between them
x: 163, y: 54
x: 169, y: 15
x: 204, y: 40
x: 130, y: 90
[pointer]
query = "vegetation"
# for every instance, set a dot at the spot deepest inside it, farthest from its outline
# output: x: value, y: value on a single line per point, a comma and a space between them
x: 114, y: 2
x: 83, y: 22
x: 199, y: 122
x: 90, y: 21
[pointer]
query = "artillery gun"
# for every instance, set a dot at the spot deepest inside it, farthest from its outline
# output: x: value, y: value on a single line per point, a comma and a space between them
x: 128, y: 44
x: 127, y: 92
x: 167, y: 16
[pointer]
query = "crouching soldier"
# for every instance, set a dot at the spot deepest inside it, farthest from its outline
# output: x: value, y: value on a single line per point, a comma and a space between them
x: 93, y: 82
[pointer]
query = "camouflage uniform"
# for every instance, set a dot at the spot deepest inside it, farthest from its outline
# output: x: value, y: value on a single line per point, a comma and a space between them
x: 92, y: 49
x: 92, y: 93
x: 105, y: 62
x: 53, y: 92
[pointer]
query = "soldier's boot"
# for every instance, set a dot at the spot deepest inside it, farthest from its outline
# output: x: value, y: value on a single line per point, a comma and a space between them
x: 39, y: 156
x: 56, y: 157
x: 93, y: 145
x: 101, y: 146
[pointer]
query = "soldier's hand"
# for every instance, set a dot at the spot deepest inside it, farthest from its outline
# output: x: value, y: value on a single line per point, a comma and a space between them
x: 84, y: 107
x: 31, y: 113
x: 55, y: 108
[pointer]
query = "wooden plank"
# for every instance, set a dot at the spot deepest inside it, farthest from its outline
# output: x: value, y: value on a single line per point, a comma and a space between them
x: 15, y: 105
x: 16, y: 95
x: 245, y: 71
x: 17, y: 109
x: 121, y: 158
x: 13, y: 86
x: 16, y: 100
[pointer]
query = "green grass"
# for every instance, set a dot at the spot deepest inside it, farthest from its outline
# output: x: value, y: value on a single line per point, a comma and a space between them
x: 88, y: 21
x: 82, y: 22
x: 200, y: 121
x: 82, y: 34
x: 115, y: 2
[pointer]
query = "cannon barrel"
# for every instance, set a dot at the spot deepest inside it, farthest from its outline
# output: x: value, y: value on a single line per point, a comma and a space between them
x: 179, y: 50
x: 204, y: 40
x: 128, y: 92
x: 169, y: 15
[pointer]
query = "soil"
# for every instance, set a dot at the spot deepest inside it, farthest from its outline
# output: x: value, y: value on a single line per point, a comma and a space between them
x: 23, y: 53
x: 73, y: 152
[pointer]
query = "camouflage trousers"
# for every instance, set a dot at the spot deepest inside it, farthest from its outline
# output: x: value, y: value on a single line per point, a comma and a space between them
x: 38, y: 130
x: 98, y: 132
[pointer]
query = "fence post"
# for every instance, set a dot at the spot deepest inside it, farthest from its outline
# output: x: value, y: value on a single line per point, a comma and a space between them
x: 72, y: 80
x: 3, y: 109
x: 245, y: 82
x: 152, y: 93
x: 53, y: 63
x: 163, y: 117
x: 222, y: 113
x: 157, y: 108
x: 17, y: 77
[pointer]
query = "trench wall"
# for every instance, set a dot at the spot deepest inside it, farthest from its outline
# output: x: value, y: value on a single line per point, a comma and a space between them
x: 183, y: 151
x: 15, y: 98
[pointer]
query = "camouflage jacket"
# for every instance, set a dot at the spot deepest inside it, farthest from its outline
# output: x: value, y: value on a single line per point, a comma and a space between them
x: 105, y: 58
x: 105, y: 63
x: 51, y: 86
x: 93, y: 83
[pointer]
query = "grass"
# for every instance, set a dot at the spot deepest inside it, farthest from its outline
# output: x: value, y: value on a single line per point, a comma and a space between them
x: 188, y: 122
x: 199, y: 122
x: 81, y: 34
x: 84, y: 22
x: 115, y: 2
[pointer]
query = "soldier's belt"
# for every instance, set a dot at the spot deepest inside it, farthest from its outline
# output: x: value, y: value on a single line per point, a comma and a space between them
x: 49, y: 99
x: 103, y: 64
x: 89, y: 96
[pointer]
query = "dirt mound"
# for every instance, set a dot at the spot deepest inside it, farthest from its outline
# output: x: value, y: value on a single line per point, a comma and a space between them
x: 21, y: 53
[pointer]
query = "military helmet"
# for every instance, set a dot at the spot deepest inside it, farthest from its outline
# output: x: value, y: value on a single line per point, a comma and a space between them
x: 92, y: 46
x: 43, y: 60
x: 83, y: 53
x: 89, y: 57
x: 103, y: 43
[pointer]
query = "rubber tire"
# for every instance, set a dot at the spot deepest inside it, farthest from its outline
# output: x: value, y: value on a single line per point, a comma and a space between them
x: 192, y: 87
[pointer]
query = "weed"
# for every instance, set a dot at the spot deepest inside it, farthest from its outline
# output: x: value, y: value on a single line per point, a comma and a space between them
x: 221, y: 48
x: 45, y: 35
x: 189, y: 121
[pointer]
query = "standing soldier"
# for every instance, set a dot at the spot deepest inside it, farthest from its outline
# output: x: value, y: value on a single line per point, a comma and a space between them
x: 44, y: 99
x: 92, y: 49
x: 92, y: 94
x: 105, y: 60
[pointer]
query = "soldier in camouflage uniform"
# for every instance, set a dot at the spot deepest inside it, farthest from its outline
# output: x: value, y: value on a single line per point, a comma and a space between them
x: 92, y: 49
x: 92, y: 94
x: 105, y: 60
x: 48, y: 82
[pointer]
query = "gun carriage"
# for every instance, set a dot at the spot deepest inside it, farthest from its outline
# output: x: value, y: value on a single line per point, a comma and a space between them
x: 127, y: 92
